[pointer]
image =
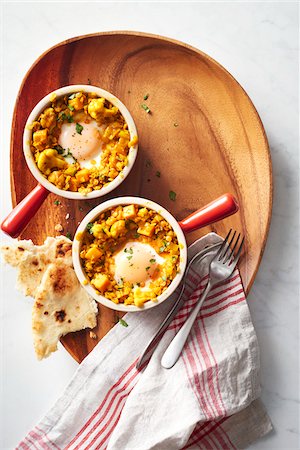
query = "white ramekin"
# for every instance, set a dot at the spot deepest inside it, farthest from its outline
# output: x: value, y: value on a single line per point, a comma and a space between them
x: 92, y: 215
x: 38, y: 109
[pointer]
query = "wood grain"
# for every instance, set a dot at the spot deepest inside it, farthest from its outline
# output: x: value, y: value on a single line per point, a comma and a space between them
x: 203, y: 135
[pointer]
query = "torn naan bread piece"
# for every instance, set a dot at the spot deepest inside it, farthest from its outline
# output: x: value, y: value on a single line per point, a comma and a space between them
x: 14, y: 253
x: 61, y: 306
x: 32, y: 260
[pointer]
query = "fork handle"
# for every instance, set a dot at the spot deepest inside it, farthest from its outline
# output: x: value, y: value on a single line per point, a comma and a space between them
x: 174, y: 349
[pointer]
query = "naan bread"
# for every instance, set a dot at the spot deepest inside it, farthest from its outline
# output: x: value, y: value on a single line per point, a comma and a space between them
x: 32, y: 260
x: 61, y: 306
x: 15, y: 253
x: 45, y: 272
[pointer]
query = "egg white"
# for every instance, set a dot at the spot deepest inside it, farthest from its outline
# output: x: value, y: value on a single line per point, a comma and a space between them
x: 86, y: 146
x: 136, y: 263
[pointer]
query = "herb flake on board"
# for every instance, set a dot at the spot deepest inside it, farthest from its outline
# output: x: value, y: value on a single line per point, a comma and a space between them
x: 172, y: 196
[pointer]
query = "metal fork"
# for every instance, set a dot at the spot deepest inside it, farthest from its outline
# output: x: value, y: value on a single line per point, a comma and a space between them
x: 220, y: 268
x: 154, y: 341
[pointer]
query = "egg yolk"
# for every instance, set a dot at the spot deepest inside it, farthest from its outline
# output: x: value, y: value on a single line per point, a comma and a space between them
x: 83, y: 139
x: 136, y: 263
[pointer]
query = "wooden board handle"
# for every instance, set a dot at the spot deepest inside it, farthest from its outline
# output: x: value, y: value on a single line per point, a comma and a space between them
x: 21, y: 215
x: 218, y: 209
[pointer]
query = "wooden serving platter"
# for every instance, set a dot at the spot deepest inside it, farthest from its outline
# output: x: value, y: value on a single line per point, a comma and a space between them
x: 203, y: 135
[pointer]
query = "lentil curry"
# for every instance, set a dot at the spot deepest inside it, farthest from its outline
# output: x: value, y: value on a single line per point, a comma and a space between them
x: 115, y: 238
x: 81, y: 111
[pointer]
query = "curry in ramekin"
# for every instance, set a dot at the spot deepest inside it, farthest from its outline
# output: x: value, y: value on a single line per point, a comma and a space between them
x: 130, y: 254
x: 80, y: 142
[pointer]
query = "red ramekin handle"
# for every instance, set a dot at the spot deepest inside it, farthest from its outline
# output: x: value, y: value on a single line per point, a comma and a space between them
x: 21, y: 215
x: 218, y: 209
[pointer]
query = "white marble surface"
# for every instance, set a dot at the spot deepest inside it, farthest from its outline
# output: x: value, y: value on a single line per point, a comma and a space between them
x: 257, y: 43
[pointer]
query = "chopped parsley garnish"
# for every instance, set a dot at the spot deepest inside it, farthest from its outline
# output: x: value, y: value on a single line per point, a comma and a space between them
x: 146, y: 108
x: 129, y: 257
x: 146, y: 97
x: 172, y: 196
x: 64, y: 151
x: 152, y: 260
x: 89, y: 227
x: 72, y: 96
x: 127, y: 223
x: 163, y: 247
x: 158, y: 174
x: 175, y: 124
x: 79, y: 128
x: 136, y: 235
x: 60, y: 150
x: 128, y: 250
x: 80, y: 208
x: 123, y: 322
x: 67, y: 117
x: 68, y: 235
x: 56, y: 202
x: 147, y: 268
x: 71, y: 108
x: 164, y: 278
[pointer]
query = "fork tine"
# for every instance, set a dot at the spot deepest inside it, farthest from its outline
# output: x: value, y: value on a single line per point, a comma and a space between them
x: 228, y: 248
x: 237, y: 257
x: 231, y: 253
x: 223, y: 245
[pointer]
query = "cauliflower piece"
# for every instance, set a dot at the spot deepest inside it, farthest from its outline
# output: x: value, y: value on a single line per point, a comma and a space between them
x: 118, y: 228
x: 97, y: 109
x: 50, y: 159
x: 40, y: 138
x: 48, y: 118
x: 99, y: 231
x: 77, y: 103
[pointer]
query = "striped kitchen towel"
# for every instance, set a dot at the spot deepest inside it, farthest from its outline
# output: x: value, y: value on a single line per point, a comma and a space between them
x: 208, y: 400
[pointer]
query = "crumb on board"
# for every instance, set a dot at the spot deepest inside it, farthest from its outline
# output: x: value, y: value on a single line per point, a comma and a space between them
x: 93, y: 335
x: 58, y: 227
x: 67, y: 216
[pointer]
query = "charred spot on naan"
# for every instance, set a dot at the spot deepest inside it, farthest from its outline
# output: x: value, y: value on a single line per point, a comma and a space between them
x: 62, y: 282
x: 61, y: 306
x: 60, y: 315
x: 63, y: 249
